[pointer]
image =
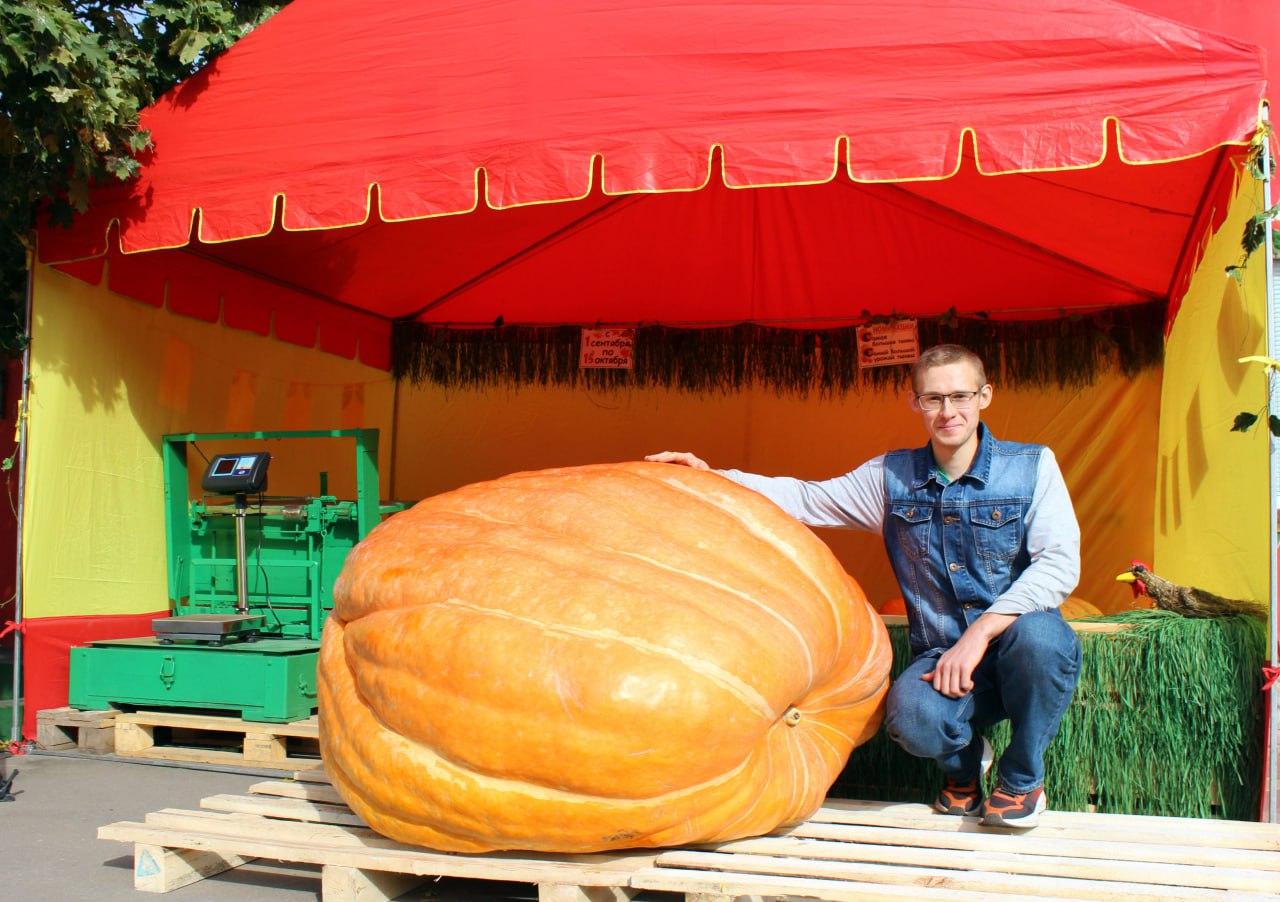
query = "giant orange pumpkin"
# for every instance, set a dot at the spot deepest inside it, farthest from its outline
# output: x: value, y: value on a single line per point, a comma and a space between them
x: 594, y: 658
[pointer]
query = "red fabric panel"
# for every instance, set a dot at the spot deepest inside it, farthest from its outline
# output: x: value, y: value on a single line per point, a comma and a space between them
x: 194, y: 296
x: 246, y: 303
x: 375, y: 350
x: 46, y: 655
x: 1251, y: 20
x: 85, y: 270
x: 417, y: 99
x: 137, y: 277
x: 334, y: 339
x: 797, y: 255
x: 803, y: 256
x: 295, y: 323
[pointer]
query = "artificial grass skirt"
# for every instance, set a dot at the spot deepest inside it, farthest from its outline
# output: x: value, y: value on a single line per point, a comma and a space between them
x: 1166, y: 720
x: 1065, y: 351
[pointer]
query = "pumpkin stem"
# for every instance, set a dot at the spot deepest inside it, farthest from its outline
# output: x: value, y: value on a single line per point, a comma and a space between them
x: 792, y: 717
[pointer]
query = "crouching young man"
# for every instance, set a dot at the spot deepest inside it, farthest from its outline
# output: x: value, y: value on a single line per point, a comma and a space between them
x: 984, y: 543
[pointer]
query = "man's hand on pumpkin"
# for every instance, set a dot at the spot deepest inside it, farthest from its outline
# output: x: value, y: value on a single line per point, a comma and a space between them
x: 686, y: 458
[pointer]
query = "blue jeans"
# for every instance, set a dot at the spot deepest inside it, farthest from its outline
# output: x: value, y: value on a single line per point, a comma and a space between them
x: 1027, y: 675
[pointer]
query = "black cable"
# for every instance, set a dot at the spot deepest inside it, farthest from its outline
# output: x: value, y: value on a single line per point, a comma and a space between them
x: 266, y: 580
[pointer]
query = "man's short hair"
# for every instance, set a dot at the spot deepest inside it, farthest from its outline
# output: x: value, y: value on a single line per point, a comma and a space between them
x: 941, y: 355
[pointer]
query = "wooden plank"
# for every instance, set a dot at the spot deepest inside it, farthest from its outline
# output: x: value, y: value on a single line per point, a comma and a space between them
x: 233, y: 827
x: 304, y: 729
x: 157, y: 869
x: 1002, y: 841
x: 312, y: 792
x: 292, y: 809
x: 339, y: 884
x: 720, y: 884
x: 312, y: 775
x: 1206, y: 832
x: 566, y: 892
x: 979, y: 878
x: 191, y: 755
x: 281, y: 842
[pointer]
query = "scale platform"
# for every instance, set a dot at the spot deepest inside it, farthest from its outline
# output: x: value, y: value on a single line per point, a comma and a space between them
x: 272, y: 680
x: 212, y: 628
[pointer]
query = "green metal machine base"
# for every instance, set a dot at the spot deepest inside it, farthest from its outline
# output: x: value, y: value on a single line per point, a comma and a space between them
x: 271, y: 680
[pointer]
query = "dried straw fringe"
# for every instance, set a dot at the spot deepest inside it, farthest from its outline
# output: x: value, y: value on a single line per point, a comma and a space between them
x: 1069, y: 351
x: 1166, y: 720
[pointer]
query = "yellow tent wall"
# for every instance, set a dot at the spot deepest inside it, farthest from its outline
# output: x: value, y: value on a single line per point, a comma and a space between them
x: 1212, y: 512
x: 109, y: 377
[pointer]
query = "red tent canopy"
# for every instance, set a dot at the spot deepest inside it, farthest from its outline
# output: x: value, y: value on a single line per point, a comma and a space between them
x: 412, y: 163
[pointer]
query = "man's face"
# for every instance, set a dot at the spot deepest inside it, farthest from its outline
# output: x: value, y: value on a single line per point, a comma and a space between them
x: 950, y: 426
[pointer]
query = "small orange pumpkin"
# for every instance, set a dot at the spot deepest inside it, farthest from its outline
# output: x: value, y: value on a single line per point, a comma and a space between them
x: 594, y: 658
x: 894, y: 607
x: 1076, y: 608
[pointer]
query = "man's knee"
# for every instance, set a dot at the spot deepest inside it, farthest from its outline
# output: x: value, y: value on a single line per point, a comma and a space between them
x: 917, y: 723
x: 1039, y: 641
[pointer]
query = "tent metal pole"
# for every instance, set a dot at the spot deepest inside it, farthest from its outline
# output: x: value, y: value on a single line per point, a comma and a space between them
x: 15, y: 733
x: 1269, y: 804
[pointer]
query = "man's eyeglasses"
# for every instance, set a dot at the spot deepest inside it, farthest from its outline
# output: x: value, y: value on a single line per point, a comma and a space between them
x: 960, y: 400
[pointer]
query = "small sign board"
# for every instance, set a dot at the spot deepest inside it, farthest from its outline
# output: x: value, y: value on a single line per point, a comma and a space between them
x: 883, y: 344
x: 612, y: 349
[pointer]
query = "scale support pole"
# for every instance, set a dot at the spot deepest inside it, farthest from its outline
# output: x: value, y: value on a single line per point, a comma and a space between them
x: 242, y: 575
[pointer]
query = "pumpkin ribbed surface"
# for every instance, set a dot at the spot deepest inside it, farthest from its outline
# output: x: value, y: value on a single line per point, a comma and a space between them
x: 594, y: 658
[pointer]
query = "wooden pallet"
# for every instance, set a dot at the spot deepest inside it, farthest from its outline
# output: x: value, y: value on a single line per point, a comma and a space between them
x: 848, y: 851
x: 68, y: 728
x: 209, y: 739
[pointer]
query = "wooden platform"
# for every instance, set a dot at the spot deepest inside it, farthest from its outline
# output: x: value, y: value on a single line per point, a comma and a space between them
x: 211, y: 739
x: 847, y: 851
x: 63, y: 729
x: 182, y: 737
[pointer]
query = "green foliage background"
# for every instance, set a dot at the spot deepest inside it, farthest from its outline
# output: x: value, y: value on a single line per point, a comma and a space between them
x: 73, y: 77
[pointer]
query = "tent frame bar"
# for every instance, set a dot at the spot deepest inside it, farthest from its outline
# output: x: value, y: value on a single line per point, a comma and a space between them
x: 19, y: 693
x: 1271, y: 777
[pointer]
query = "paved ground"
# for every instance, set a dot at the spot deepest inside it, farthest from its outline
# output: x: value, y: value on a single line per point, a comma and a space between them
x: 49, y: 848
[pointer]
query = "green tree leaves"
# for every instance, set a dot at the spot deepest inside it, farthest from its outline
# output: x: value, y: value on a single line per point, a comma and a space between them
x: 73, y: 78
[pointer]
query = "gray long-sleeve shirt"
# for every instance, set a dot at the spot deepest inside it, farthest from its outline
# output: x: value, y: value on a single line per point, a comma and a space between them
x: 857, y: 500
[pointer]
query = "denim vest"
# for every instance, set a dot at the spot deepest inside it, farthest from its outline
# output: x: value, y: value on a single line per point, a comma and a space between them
x: 956, y: 548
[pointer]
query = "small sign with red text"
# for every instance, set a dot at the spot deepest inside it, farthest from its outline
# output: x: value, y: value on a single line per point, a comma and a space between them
x: 611, y: 349
x: 882, y: 344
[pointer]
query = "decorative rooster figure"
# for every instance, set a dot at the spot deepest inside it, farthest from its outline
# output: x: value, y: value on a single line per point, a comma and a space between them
x: 1187, y: 600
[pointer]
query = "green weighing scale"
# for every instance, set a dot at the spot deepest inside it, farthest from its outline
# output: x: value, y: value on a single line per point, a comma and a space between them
x: 250, y: 583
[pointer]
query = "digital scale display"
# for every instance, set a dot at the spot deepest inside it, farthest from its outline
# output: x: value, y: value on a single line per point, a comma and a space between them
x: 237, y: 474
x: 238, y: 466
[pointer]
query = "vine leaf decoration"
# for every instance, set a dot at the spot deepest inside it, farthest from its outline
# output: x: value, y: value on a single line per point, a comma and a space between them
x: 1255, y: 230
x: 1244, y: 420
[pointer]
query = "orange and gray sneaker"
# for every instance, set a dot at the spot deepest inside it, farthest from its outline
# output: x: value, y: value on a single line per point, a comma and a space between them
x: 1013, y: 809
x: 964, y: 798
x: 959, y: 798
